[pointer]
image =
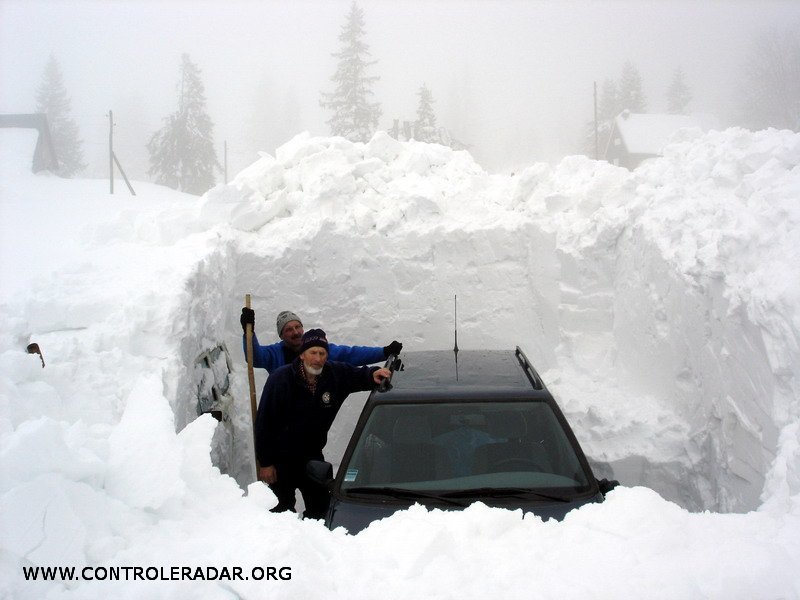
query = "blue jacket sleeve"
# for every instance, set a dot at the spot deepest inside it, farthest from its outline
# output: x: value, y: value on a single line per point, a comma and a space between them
x: 268, y: 357
x: 356, y: 355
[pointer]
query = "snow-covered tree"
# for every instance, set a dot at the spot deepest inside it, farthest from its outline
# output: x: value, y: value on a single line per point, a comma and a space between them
x: 629, y: 90
x: 678, y: 94
x: 355, y: 117
x: 770, y: 94
x: 182, y: 154
x: 51, y: 99
x: 425, y: 129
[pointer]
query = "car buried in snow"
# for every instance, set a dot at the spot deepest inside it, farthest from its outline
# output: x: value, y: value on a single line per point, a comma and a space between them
x: 455, y: 427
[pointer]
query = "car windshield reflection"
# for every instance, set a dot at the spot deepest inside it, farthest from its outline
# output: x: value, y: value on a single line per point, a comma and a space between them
x: 471, y: 447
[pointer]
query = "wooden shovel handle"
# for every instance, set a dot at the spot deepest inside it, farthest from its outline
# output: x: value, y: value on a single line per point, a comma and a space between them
x: 251, y: 378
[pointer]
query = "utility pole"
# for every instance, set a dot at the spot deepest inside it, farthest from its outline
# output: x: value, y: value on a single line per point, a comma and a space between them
x: 596, y: 133
x: 112, y: 158
x: 111, y: 149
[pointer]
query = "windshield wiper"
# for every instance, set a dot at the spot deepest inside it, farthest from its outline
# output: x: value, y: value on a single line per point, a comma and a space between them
x: 405, y: 493
x: 506, y: 492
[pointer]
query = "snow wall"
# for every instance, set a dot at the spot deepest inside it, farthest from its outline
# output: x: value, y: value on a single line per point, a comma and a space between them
x: 660, y: 306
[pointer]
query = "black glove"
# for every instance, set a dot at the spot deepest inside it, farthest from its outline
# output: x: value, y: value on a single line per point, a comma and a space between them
x: 394, y: 348
x: 248, y: 316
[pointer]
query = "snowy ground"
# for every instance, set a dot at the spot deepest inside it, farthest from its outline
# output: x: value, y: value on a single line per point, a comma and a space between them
x: 660, y: 306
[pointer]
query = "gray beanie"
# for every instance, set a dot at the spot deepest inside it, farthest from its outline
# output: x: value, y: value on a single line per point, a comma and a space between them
x: 283, y: 318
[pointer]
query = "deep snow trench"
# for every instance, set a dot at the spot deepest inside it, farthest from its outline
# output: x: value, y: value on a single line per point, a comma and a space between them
x: 618, y: 335
x: 667, y: 374
x: 659, y: 306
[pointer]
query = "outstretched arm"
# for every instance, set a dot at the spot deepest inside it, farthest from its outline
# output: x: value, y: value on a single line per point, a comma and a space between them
x: 363, y: 355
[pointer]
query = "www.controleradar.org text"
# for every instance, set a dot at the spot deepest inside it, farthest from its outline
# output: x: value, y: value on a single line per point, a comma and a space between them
x: 156, y: 574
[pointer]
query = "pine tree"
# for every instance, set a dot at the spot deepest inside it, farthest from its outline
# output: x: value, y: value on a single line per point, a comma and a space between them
x: 354, y: 116
x: 182, y: 154
x: 770, y: 91
x: 425, y: 129
x: 52, y: 100
x: 678, y: 94
x: 614, y: 98
x: 631, y: 96
x: 608, y: 105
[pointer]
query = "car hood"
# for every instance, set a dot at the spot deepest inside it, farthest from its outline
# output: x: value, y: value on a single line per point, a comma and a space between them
x: 356, y: 516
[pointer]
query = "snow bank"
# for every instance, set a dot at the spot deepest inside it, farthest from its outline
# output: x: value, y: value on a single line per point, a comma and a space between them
x: 659, y: 305
x: 668, y: 293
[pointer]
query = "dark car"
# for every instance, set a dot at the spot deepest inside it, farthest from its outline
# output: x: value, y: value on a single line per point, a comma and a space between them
x: 452, y: 428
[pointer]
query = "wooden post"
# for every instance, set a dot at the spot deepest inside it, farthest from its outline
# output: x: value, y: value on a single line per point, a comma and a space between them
x: 251, y: 378
x: 125, y: 177
x: 112, y: 158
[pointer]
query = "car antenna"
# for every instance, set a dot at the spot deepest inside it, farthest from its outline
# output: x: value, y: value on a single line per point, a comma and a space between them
x: 455, y: 331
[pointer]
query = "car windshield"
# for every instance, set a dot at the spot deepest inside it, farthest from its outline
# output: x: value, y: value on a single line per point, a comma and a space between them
x: 480, y: 446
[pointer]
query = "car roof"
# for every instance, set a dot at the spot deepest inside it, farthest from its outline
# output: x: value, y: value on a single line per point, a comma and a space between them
x: 439, y: 374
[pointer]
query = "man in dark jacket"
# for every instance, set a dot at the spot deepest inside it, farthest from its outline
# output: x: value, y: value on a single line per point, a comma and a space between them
x: 298, y: 406
x: 290, y: 330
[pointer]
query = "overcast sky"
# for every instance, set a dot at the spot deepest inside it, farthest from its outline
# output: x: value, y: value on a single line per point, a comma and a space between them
x: 511, y: 78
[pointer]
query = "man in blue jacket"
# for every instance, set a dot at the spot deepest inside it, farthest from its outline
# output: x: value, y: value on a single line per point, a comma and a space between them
x: 290, y: 330
x: 298, y: 405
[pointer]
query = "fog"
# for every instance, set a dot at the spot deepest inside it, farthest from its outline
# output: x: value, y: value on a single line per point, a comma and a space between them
x: 511, y: 79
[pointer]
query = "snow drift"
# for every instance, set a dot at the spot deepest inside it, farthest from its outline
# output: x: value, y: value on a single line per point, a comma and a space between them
x: 660, y: 306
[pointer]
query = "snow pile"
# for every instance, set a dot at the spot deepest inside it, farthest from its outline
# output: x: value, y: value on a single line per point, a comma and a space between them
x: 668, y: 291
x: 660, y: 306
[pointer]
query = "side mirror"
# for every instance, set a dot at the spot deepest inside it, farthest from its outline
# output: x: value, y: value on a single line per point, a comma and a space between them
x: 320, y: 472
x: 606, y: 485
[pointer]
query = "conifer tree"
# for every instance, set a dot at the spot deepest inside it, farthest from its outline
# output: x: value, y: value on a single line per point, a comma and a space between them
x: 182, y: 154
x: 52, y: 100
x: 425, y: 129
x: 355, y: 117
x: 615, y: 97
x: 631, y: 96
x: 608, y: 105
x: 770, y: 89
x: 678, y: 94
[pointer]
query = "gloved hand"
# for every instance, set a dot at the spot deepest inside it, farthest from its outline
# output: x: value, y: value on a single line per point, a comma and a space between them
x: 248, y: 316
x: 394, y: 348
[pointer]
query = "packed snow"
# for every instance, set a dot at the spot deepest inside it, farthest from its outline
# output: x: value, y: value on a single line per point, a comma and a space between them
x: 659, y: 305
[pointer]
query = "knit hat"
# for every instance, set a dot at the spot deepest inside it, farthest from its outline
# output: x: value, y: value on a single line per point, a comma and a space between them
x: 283, y: 318
x: 314, y: 337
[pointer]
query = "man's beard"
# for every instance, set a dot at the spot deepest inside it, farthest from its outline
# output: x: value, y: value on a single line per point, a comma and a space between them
x: 313, y: 370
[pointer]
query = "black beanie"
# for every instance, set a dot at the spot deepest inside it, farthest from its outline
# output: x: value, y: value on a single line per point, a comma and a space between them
x: 314, y: 337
